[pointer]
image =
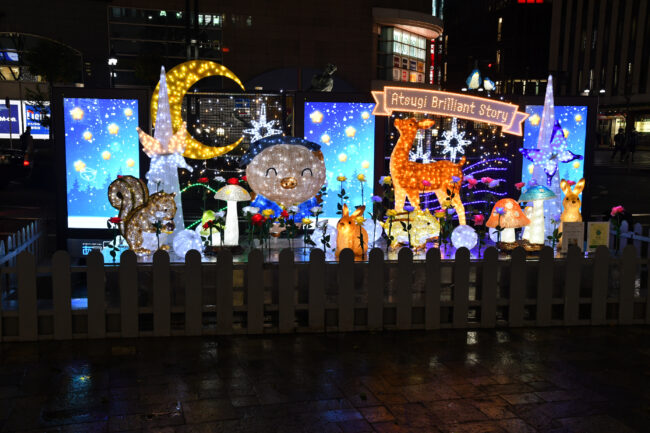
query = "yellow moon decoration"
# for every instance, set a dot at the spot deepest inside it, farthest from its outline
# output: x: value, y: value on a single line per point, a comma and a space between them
x: 179, y: 80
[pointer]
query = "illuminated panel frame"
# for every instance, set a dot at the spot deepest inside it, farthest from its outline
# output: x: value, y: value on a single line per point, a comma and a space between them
x: 65, y: 233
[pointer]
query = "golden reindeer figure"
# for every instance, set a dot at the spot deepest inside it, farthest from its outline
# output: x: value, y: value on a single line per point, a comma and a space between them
x: 408, y: 175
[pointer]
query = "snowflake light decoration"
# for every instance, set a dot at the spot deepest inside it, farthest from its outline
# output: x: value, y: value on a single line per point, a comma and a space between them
x: 453, y: 142
x: 419, y: 152
x: 262, y: 128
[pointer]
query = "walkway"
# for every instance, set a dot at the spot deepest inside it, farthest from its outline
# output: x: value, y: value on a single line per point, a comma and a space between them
x: 527, y: 380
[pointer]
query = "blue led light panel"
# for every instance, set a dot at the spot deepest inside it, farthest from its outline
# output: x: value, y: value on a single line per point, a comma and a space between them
x: 573, y: 120
x: 346, y: 133
x: 101, y: 142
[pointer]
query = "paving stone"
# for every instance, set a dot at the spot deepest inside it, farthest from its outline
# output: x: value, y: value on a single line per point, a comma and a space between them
x: 519, y: 380
x: 523, y: 398
x: 376, y: 414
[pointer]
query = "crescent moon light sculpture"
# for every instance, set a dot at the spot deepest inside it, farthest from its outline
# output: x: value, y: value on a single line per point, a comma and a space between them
x: 179, y: 80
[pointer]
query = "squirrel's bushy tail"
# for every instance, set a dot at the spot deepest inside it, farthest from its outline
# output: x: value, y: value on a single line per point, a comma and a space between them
x: 126, y: 193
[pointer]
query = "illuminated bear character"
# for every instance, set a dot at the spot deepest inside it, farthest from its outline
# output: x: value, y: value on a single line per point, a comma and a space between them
x: 285, y: 171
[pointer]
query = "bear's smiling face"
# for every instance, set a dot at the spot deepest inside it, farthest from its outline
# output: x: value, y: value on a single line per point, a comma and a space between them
x: 287, y: 174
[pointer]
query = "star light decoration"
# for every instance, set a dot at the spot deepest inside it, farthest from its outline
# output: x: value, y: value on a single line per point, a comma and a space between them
x: 166, y: 152
x: 453, y: 141
x: 419, y: 152
x: 262, y: 128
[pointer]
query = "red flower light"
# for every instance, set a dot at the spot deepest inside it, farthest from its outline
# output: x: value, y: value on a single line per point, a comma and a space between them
x: 202, y: 180
x: 258, y: 219
x: 233, y: 181
x: 520, y: 185
x: 115, y: 220
x: 284, y: 214
x: 244, y: 178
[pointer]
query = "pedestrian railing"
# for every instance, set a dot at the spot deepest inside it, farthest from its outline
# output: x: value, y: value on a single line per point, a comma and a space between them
x: 193, y: 298
x: 29, y: 238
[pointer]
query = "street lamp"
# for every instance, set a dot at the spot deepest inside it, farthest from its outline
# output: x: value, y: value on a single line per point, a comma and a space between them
x: 112, y: 62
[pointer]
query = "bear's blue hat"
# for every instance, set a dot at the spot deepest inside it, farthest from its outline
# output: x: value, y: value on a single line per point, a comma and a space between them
x: 259, y: 145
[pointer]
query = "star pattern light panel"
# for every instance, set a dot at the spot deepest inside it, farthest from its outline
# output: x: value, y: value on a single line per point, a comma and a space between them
x: 573, y: 120
x: 101, y: 142
x: 346, y: 133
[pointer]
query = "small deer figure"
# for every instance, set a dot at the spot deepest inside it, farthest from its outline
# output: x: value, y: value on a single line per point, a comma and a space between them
x: 408, y: 175
x: 349, y: 233
x: 571, y: 203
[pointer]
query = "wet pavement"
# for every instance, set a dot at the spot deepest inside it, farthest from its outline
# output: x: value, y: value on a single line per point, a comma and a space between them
x: 521, y: 380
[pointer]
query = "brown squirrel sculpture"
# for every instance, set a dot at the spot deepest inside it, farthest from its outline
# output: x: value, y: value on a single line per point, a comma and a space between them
x: 141, y: 212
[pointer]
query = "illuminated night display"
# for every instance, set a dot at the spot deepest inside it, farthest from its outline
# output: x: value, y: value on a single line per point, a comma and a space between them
x: 101, y: 142
x: 449, y: 104
x: 346, y: 133
x: 179, y: 80
x: 554, y: 148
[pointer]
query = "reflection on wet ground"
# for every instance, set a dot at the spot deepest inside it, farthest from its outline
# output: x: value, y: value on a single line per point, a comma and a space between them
x: 521, y: 380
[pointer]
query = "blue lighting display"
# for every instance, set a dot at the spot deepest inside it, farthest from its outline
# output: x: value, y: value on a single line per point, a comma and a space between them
x: 346, y: 133
x: 101, y: 142
x: 573, y: 120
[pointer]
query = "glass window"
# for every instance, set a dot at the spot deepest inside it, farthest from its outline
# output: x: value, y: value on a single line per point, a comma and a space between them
x: 397, y: 35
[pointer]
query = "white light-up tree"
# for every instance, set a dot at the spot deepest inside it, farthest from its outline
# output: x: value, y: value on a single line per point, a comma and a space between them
x: 166, y: 152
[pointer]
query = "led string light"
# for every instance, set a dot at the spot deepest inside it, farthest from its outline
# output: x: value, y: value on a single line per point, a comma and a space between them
x: 408, y: 175
x: 179, y: 80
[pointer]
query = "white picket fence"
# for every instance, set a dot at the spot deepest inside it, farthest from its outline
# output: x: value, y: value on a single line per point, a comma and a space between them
x: 633, y: 237
x: 194, y: 298
x: 29, y: 238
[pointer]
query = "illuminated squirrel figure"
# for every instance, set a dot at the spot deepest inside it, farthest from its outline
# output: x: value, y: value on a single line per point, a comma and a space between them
x: 408, y: 175
x: 139, y: 211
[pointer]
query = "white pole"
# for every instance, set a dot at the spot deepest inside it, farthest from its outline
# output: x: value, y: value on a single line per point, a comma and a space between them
x: 537, y: 223
x: 231, y: 232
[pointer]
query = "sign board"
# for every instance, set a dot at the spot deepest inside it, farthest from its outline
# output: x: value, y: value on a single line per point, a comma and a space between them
x: 10, y: 120
x: 573, y: 233
x: 450, y: 104
x: 597, y: 234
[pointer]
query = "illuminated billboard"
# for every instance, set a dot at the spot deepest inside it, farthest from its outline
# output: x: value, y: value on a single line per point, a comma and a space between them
x: 573, y: 120
x: 101, y: 143
x: 346, y: 133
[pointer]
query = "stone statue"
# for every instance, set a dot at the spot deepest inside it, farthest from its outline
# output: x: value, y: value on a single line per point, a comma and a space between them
x: 323, y: 82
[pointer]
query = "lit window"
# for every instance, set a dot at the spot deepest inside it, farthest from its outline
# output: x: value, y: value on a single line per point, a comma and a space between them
x: 163, y: 13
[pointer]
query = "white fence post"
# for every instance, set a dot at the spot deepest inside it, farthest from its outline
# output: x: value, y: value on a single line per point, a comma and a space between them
x: 317, y: 280
x: 375, y: 289
x: 517, y: 287
x: 286, y: 292
x: 96, y: 278
x: 489, y: 275
x: 193, y: 293
x: 638, y: 231
x: 27, y: 301
x: 161, y: 294
x: 404, y: 288
x: 346, y: 290
x: 224, y: 292
x: 599, y: 286
x: 625, y: 227
x: 545, y: 276
x: 572, y: 278
x: 255, y: 292
x: 432, y: 290
x: 61, y: 294
x: 129, y: 309
x: 461, y: 287
x: 628, y: 264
